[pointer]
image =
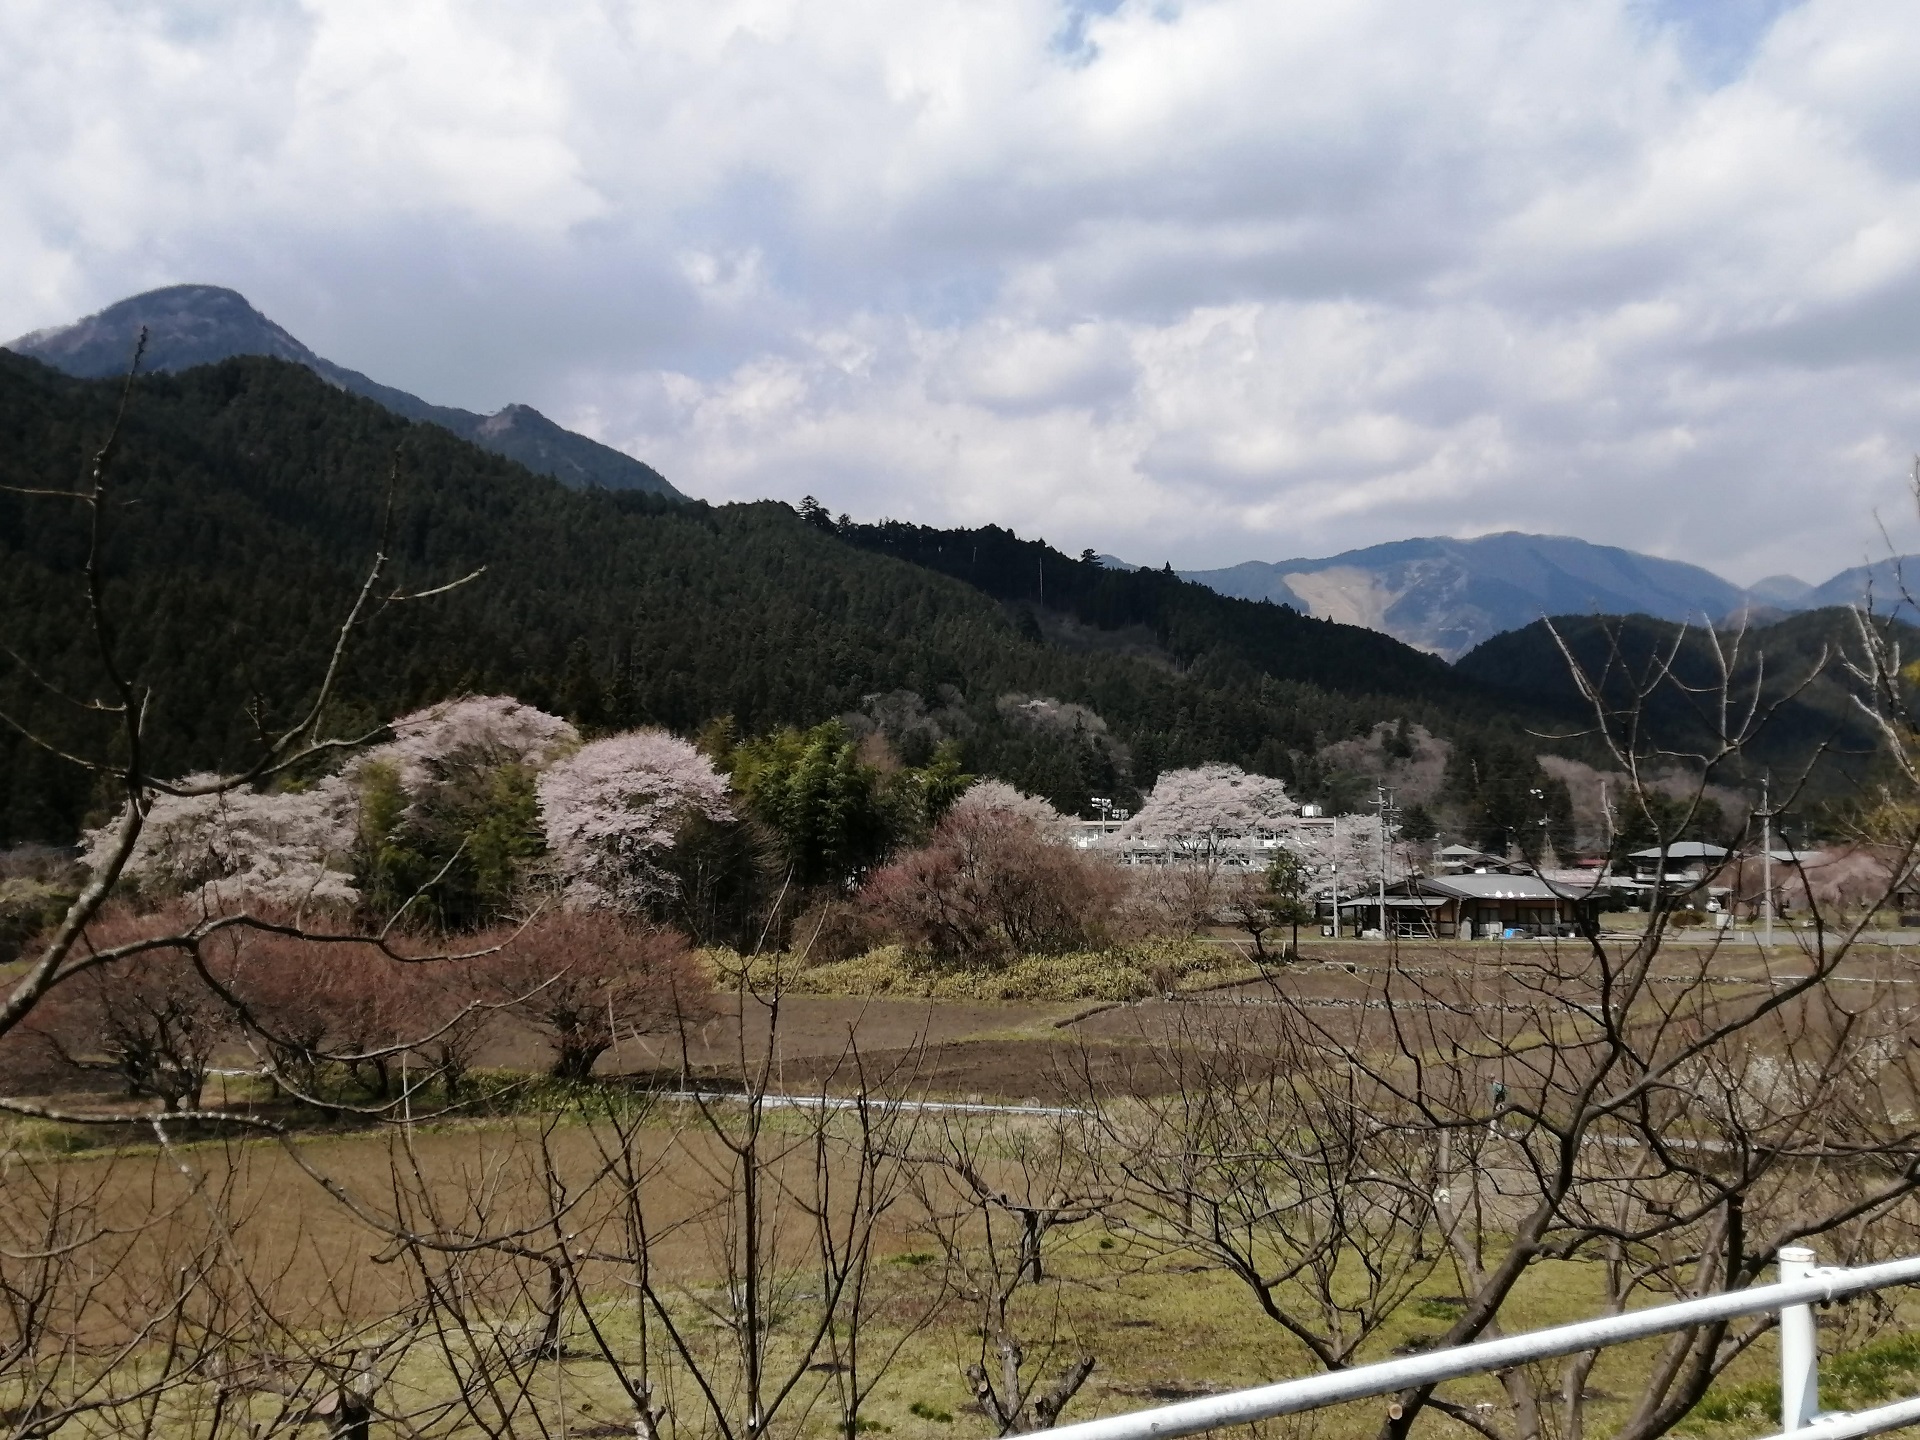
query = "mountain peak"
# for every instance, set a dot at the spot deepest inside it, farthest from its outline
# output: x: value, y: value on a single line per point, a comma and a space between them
x: 189, y: 325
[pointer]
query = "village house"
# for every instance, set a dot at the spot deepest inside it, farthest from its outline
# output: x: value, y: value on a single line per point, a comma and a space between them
x: 1471, y: 905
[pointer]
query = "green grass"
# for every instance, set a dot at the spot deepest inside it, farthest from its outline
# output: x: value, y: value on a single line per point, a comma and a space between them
x: 1131, y: 971
x: 1856, y: 1379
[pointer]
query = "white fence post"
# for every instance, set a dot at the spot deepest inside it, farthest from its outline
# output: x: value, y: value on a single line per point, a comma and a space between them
x: 1799, y: 1353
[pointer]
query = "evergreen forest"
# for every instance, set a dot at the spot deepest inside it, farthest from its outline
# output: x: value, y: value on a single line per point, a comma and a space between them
x: 248, y: 499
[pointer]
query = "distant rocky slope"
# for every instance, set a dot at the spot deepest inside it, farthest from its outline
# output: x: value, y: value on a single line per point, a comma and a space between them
x: 1446, y: 596
x: 192, y: 325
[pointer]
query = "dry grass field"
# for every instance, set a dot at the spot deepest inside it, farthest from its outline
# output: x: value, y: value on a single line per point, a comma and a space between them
x: 295, y: 1240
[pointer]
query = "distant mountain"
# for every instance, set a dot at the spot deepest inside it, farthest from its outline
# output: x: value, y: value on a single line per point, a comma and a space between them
x: 1783, y: 592
x: 189, y: 325
x: 1889, y: 586
x: 1446, y: 596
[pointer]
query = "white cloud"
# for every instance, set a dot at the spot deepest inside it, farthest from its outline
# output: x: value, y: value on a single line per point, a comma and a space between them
x: 1190, y: 279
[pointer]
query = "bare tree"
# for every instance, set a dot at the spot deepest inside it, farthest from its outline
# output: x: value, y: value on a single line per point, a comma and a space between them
x: 1243, y: 1147
x: 148, y: 1020
x: 1000, y: 1201
x: 582, y: 979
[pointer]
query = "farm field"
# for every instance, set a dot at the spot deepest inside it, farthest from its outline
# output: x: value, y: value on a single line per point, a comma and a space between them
x: 1159, y: 1324
x: 318, y: 1224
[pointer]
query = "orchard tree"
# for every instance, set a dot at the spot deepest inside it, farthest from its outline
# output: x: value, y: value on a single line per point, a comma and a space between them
x: 148, y: 1020
x: 585, y: 979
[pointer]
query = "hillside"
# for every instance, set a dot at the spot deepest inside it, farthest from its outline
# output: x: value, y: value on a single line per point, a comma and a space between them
x: 190, y: 325
x: 1886, y: 587
x: 1808, y: 715
x: 1187, y: 620
x: 250, y: 494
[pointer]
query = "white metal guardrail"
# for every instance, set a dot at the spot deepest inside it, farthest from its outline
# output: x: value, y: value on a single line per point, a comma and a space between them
x: 1802, y: 1284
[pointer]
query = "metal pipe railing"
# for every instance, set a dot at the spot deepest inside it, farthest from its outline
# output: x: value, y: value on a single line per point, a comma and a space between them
x: 1878, y: 1421
x: 1799, y: 1352
x: 1800, y: 1289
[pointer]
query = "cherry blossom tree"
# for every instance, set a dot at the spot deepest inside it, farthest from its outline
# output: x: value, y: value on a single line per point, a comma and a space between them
x: 1197, y: 812
x: 611, y: 810
x: 986, y: 797
x: 220, y: 846
x: 1342, y: 859
x: 449, y: 826
x: 497, y: 726
x: 220, y: 842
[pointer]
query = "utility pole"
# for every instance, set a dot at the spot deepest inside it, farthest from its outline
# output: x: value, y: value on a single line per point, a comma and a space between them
x: 1766, y: 861
x: 1383, y: 801
x: 1336, y: 877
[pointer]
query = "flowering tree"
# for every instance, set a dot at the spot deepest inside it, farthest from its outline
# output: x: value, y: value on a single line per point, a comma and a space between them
x: 497, y: 726
x: 985, y: 797
x: 220, y: 842
x: 613, y: 807
x: 1343, y: 859
x: 448, y: 819
x: 224, y: 846
x: 990, y: 885
x: 1197, y: 811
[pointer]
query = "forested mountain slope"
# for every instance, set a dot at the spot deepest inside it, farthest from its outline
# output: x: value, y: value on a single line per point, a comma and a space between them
x: 249, y: 497
x: 1188, y: 619
x: 1797, y: 664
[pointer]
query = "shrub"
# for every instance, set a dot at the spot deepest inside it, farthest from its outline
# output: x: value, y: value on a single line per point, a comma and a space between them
x: 990, y: 885
x: 1127, y: 972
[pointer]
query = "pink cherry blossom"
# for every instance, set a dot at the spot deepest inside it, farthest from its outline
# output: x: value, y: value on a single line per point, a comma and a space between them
x: 985, y: 797
x: 613, y: 807
x: 241, y: 845
x: 498, y: 724
x: 1198, y: 810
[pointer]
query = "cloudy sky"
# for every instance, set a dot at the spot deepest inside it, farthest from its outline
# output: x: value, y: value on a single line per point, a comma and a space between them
x: 1187, y: 280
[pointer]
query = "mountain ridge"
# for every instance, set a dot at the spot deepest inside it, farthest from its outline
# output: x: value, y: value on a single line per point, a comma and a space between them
x: 252, y: 492
x: 191, y: 325
x: 1447, y: 596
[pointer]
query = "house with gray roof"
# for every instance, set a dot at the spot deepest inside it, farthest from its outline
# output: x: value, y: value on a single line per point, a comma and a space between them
x: 1476, y: 906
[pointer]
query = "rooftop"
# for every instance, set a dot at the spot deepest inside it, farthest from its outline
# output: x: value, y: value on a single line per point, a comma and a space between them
x: 1497, y: 887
